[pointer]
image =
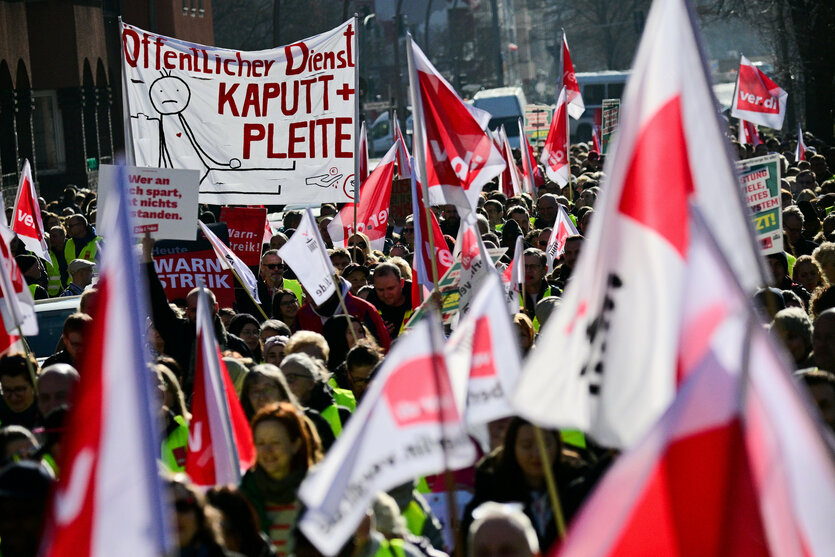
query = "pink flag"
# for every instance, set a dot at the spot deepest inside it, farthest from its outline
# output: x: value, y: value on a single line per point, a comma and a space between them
x: 17, y: 307
x: 109, y: 499
x: 757, y: 99
x: 484, y: 367
x: 748, y: 134
x: 363, y: 154
x: 563, y: 228
x: 423, y: 250
x: 554, y: 153
x: 407, y: 425
x: 736, y: 466
x: 629, y: 277
x: 27, y: 223
x: 569, y: 81
x: 458, y: 153
x: 800, y: 150
x: 373, y: 209
x: 220, y: 445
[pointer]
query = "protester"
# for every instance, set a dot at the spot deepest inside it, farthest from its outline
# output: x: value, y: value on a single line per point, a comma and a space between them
x: 501, y: 529
x: 18, y: 405
x: 81, y: 274
x: 24, y: 488
x: 285, y: 306
x: 392, y: 296
x: 248, y: 329
x: 239, y: 523
x: 55, y: 387
x: 198, y: 524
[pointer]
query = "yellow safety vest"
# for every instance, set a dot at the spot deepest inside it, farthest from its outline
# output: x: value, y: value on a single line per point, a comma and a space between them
x: 295, y: 287
x: 88, y: 252
x: 573, y: 437
x: 344, y: 397
x: 175, y: 446
x: 415, y: 517
x: 391, y: 548
x: 53, y: 272
x: 535, y: 321
x: 331, y: 415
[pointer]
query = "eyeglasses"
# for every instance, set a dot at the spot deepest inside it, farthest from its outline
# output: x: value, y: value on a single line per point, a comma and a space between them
x: 16, y: 391
x: 274, y: 266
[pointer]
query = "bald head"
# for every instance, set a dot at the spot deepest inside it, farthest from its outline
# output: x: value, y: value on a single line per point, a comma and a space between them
x: 55, y: 386
x: 502, y: 530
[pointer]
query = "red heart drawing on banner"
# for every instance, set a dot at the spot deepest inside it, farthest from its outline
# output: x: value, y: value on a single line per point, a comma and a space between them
x: 180, y: 134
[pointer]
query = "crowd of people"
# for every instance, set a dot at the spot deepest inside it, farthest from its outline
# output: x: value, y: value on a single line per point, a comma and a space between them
x: 300, y: 369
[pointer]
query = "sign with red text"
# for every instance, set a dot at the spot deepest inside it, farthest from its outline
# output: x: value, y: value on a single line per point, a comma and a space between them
x: 183, y: 265
x: 760, y: 181
x: 162, y: 201
x: 246, y: 231
x: 265, y: 127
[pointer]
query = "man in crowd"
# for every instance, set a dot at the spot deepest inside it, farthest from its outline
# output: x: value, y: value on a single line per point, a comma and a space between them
x: 573, y: 244
x: 30, y: 268
x: 72, y: 337
x: 270, y: 280
x: 55, y: 386
x: 81, y: 273
x: 793, y: 229
x: 536, y: 287
x: 82, y: 242
x: 546, y: 211
x: 392, y: 296
x: 56, y: 268
x: 18, y: 405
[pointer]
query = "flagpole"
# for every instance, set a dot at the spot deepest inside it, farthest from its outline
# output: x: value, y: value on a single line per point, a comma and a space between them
x: 337, y: 281
x: 417, y: 135
x: 357, y: 149
x: 550, y: 482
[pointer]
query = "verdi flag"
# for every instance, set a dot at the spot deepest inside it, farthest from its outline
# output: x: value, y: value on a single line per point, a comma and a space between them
x: 26, y: 217
x: 17, y: 307
x: 757, y: 99
x: 305, y: 253
x: 800, y: 150
x: 569, y: 81
x: 563, y: 228
x: 555, y: 152
x: 629, y: 276
x: 407, y: 425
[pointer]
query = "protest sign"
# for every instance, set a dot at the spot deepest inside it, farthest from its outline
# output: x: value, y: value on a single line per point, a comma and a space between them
x: 183, y: 265
x: 610, y: 117
x: 537, y: 121
x: 162, y: 201
x: 246, y: 231
x: 760, y: 180
x: 401, y: 200
x: 273, y: 125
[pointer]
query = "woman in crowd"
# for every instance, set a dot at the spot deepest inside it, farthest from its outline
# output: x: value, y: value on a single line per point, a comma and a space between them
x: 274, y: 350
x: 239, y: 523
x: 248, y: 329
x: 198, y: 525
x: 794, y: 328
x: 285, y: 306
x: 807, y: 273
x: 284, y: 453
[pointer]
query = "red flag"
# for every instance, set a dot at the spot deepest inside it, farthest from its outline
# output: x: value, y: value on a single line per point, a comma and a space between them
x: 26, y: 216
x: 595, y: 137
x: 757, y: 99
x: 569, y: 81
x: 458, y: 153
x: 109, y: 499
x: 404, y: 166
x: 736, y: 466
x: 533, y: 177
x: 512, y: 179
x: 423, y: 251
x: 17, y: 307
x: 563, y: 228
x: 748, y: 134
x: 373, y: 209
x: 220, y: 445
x: 363, y: 154
x: 800, y: 150
x: 554, y: 153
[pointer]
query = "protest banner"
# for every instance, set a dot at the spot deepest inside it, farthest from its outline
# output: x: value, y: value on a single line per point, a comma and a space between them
x: 162, y: 201
x: 537, y: 121
x: 274, y: 125
x: 401, y: 200
x: 760, y: 181
x: 183, y: 265
x: 246, y: 227
x: 610, y: 116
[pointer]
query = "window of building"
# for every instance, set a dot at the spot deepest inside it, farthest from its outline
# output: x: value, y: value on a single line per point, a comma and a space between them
x: 49, y: 133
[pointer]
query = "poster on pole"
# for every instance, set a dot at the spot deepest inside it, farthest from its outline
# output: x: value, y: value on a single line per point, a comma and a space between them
x: 246, y: 231
x: 760, y: 181
x: 264, y: 127
x: 611, y: 116
x: 163, y: 201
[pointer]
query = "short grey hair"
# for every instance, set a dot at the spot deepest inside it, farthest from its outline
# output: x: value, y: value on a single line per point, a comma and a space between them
x: 794, y: 320
x: 507, y: 512
x: 302, y: 360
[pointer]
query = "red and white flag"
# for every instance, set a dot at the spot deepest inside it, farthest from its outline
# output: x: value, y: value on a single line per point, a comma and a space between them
x: 220, y: 446
x: 476, y: 263
x: 306, y: 254
x: 512, y: 180
x: 373, y: 208
x: 423, y: 250
x: 404, y: 165
x: 757, y: 99
x: 555, y: 152
x: 17, y: 307
x: 451, y: 144
x: 109, y: 499
x: 736, y: 466
x: 363, y: 154
x: 27, y: 215
x: 230, y: 261
x: 483, y: 364
x: 569, y: 81
x: 407, y: 425
x: 563, y: 228
x: 800, y: 150
x: 629, y: 276
x: 748, y: 134
x: 595, y: 139
x: 514, y: 275
x: 529, y: 169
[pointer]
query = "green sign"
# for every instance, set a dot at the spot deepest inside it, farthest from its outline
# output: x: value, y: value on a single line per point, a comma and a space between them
x: 760, y: 181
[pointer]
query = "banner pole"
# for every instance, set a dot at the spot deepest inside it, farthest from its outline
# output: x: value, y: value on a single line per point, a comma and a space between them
x: 549, y: 482
x: 356, y: 119
x: 338, y: 283
x: 417, y: 135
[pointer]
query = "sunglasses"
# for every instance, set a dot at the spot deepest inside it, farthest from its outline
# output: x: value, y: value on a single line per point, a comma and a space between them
x: 274, y: 266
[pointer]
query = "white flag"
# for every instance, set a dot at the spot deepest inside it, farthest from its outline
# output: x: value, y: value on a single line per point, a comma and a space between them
x: 483, y: 356
x: 230, y: 261
x: 407, y: 425
x: 305, y: 253
x: 563, y: 228
x: 26, y: 217
x: 615, y: 335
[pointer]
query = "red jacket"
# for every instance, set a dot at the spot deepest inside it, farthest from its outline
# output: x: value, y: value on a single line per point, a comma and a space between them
x: 312, y: 320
